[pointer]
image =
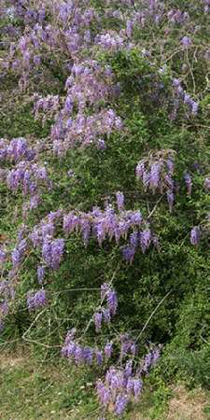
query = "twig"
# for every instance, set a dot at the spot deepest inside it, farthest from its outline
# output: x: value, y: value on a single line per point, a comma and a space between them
x: 152, y: 314
x: 28, y: 330
x: 154, y: 208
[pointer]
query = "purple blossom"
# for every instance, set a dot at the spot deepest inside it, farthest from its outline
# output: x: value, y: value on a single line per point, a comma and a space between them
x: 120, y: 404
x: 2, y: 256
x: 16, y: 258
x: 133, y: 349
x: 137, y: 387
x: 125, y: 345
x: 128, y: 368
x: 40, y: 274
x: 155, y: 176
x: 186, y: 41
x: 195, y: 235
x: 104, y: 393
x: 170, y: 199
x: 98, y: 321
x: 108, y: 350
x: 4, y: 308
x: 207, y: 184
x: 194, y: 108
x: 120, y: 200
x: 140, y: 169
x: 170, y: 166
x: 37, y: 300
x: 57, y: 250
x: 78, y: 354
x: 134, y: 237
x: 128, y: 253
x: 188, y: 182
x: 150, y: 359
x: 136, y: 217
x: 68, y: 350
x: 112, y: 301
x: 106, y: 315
x: 145, y: 239
x: 88, y: 355
x: 99, y: 357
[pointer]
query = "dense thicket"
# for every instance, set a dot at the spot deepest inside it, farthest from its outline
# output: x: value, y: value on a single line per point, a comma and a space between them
x: 105, y: 176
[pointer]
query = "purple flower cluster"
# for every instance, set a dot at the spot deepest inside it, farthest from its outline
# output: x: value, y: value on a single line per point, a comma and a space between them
x: 19, y: 253
x: 37, y: 300
x: 111, y: 41
x: 16, y: 150
x: 188, y: 182
x: 207, y: 184
x: 81, y: 355
x: 88, y: 84
x: 46, y: 108
x: 7, y: 294
x: 150, y: 360
x: 28, y: 176
x: 185, y: 97
x: 83, y: 130
x: 102, y: 224
x: 106, y: 313
x: 195, y: 235
x: 119, y: 388
x: 177, y: 16
x: 127, y: 346
x: 52, y: 252
x: 156, y: 173
x: 120, y: 385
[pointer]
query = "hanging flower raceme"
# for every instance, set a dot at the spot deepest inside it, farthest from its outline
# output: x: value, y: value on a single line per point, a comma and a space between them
x: 156, y: 174
x: 185, y: 97
x: 195, y: 235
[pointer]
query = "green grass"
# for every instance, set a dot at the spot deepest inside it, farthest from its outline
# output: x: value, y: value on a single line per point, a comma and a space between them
x: 34, y: 389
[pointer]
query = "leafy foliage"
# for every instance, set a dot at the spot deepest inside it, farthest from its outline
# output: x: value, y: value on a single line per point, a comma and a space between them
x: 105, y: 125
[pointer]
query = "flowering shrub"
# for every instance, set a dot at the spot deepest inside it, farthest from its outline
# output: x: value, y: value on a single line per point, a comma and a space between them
x: 104, y: 173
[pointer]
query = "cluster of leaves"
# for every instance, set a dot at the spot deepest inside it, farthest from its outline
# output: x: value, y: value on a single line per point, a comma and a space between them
x: 105, y: 101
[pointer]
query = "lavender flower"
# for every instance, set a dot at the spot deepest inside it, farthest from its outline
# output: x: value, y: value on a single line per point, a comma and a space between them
x: 195, y: 236
x: 120, y: 404
x: 128, y: 368
x: 150, y: 359
x: 40, y: 274
x: 99, y: 357
x: 57, y: 250
x: 37, y: 300
x: 120, y: 200
x: 2, y: 256
x: 140, y: 169
x: 112, y: 301
x: 104, y: 393
x: 207, y: 184
x: 88, y: 355
x: 145, y: 239
x: 128, y: 253
x: 155, y: 176
x: 108, y: 350
x: 78, y: 354
x: 188, y: 182
x: 170, y: 199
x: 137, y: 387
x: 194, y: 108
x: 186, y: 41
x: 98, y: 321
x: 106, y: 315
